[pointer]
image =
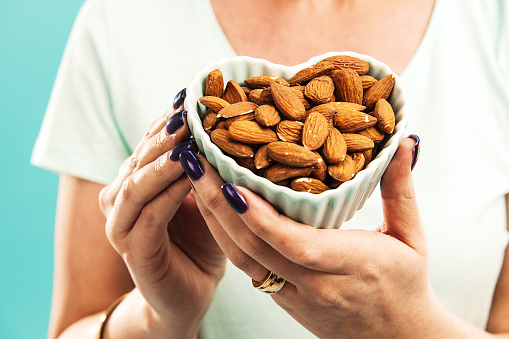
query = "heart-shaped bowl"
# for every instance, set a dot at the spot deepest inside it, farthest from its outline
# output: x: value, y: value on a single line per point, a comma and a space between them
x: 325, y: 210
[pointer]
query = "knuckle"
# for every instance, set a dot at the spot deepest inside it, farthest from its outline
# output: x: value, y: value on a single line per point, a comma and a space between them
x: 127, y: 190
x: 308, y: 257
x: 242, y: 261
x: 214, y: 199
x: 148, y: 215
x: 105, y: 200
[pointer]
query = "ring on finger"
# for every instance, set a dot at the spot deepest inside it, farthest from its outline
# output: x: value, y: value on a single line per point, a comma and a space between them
x: 271, y: 284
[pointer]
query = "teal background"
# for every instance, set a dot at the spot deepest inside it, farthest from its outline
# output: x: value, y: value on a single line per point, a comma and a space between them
x: 33, y: 34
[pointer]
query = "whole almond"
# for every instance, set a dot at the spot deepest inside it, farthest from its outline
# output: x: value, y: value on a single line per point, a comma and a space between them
x: 337, y: 105
x: 290, y: 131
x: 237, y: 109
x: 214, y: 84
x: 348, y: 86
x: 279, y: 172
x: 261, y: 158
x: 246, y: 90
x: 373, y: 133
x: 243, y: 117
x: 315, y: 131
x: 319, y: 170
x: 266, y: 97
x: 237, y: 149
x: 347, y: 120
x: 214, y: 103
x: 345, y: 61
x: 334, y: 148
x: 380, y: 90
x: 309, y: 185
x: 264, y: 81
x: 357, y: 143
x: 210, y: 120
x: 247, y: 163
x: 385, y: 115
x: 255, y: 96
x: 367, y: 81
x: 313, y: 71
x: 287, y: 101
x: 233, y: 93
x: 358, y: 160
x: 267, y: 115
x: 343, y: 171
x: 292, y: 154
x: 251, y: 132
x: 319, y: 90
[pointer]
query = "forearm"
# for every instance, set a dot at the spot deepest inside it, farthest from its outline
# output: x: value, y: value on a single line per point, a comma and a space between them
x: 133, y: 318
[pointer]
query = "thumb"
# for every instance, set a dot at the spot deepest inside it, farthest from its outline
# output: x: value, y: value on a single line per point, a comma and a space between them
x: 401, y: 214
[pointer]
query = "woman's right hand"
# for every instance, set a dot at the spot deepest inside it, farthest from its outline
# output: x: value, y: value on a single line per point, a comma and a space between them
x: 155, y: 225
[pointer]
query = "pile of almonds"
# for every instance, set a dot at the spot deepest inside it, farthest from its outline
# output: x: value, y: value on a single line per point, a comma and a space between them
x: 312, y: 132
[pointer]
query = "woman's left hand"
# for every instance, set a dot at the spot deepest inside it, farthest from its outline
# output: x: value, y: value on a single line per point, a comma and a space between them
x: 339, y: 283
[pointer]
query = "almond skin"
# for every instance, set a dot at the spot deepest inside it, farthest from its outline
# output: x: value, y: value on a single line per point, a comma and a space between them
x: 267, y: 115
x: 358, y: 160
x: 287, y: 101
x: 290, y: 131
x: 334, y: 148
x: 262, y: 159
x: 214, y: 84
x: 385, y: 115
x: 348, y: 86
x: 319, y: 170
x: 348, y: 121
x: 315, y: 131
x: 243, y: 117
x: 357, y: 143
x: 381, y: 90
x: 237, y: 149
x: 210, y: 120
x: 345, y: 61
x: 237, y: 109
x: 373, y: 133
x: 367, y: 81
x: 321, y: 68
x: 233, y: 93
x: 320, y: 89
x: 214, y: 103
x: 292, y: 154
x: 264, y: 81
x: 251, y: 132
x: 343, y: 171
x: 309, y: 185
x: 280, y: 172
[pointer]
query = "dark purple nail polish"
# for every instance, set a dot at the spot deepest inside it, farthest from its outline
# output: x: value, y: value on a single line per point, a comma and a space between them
x: 416, y: 150
x: 186, y: 145
x: 234, y: 198
x: 179, y: 99
x: 191, y: 164
x: 175, y: 122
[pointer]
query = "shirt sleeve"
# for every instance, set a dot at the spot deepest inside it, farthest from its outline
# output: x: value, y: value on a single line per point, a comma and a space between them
x: 79, y: 135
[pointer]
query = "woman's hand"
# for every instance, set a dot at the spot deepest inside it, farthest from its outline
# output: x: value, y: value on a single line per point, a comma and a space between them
x: 154, y: 224
x: 339, y: 283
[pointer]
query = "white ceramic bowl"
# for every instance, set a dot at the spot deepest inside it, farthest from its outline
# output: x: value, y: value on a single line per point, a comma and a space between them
x: 326, y: 210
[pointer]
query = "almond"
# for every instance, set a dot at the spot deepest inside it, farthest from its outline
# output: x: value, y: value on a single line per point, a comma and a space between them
x: 347, y: 120
x: 292, y: 154
x: 334, y: 148
x: 246, y: 90
x: 287, y: 101
x: 261, y: 158
x: 309, y: 185
x: 255, y: 96
x: 345, y: 61
x: 343, y: 171
x: 315, y: 131
x: 243, y: 117
x: 320, y: 89
x: 321, y: 68
x: 346, y: 105
x: 358, y: 160
x: 381, y: 90
x: 214, y: 103
x: 357, y: 142
x: 319, y: 170
x: 367, y: 81
x: 251, y: 132
x: 210, y: 120
x: 385, y: 115
x: 264, y: 81
x: 348, y: 86
x: 237, y: 149
x: 233, y: 93
x: 290, y: 131
x: 237, y: 109
x: 373, y: 133
x: 280, y: 172
x: 266, y: 97
x: 266, y: 115
x: 214, y: 84
x: 247, y: 163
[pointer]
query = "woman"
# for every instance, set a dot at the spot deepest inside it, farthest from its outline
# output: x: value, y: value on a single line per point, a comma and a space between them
x: 122, y: 60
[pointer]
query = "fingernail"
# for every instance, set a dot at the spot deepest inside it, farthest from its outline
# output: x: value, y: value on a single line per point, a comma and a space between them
x: 175, y: 122
x: 416, y: 150
x: 179, y: 99
x: 186, y: 145
x: 191, y: 165
x: 234, y: 198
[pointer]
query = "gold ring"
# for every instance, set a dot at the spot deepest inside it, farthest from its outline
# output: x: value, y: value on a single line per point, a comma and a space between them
x: 270, y: 284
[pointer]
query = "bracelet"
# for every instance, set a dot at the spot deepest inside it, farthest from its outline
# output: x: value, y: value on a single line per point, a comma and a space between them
x: 105, y: 316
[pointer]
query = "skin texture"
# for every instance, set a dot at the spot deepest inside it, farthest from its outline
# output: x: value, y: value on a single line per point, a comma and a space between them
x: 131, y: 232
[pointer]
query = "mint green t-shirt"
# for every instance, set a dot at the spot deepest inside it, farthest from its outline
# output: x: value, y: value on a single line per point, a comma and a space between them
x: 126, y: 59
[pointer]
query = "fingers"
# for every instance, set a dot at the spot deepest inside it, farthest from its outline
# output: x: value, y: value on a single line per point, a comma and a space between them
x: 401, y: 214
